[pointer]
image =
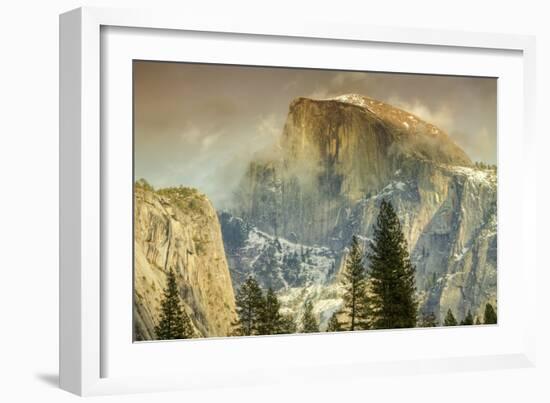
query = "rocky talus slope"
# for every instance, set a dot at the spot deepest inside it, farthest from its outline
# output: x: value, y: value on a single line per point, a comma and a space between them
x: 178, y: 229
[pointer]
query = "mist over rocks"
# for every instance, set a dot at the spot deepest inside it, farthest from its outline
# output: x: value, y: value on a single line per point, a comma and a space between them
x: 336, y: 160
x: 292, y: 216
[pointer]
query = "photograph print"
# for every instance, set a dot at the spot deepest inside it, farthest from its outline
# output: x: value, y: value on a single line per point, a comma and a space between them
x: 276, y: 201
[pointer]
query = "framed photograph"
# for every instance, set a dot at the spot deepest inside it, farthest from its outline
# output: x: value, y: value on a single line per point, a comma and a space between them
x: 242, y: 202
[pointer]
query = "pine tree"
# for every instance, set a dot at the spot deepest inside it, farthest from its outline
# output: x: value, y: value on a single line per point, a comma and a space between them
x: 354, y: 283
x: 333, y: 323
x: 478, y: 322
x: 392, y: 275
x: 174, y: 322
x: 270, y: 318
x: 450, y: 319
x: 428, y: 320
x: 309, y: 323
x: 364, y: 314
x: 249, y: 301
x: 288, y: 325
x: 468, y: 319
x: 490, y: 316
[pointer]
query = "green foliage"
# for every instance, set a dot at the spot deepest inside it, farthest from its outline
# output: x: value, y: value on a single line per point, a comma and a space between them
x: 333, y: 323
x: 309, y: 322
x: 478, y: 322
x: 179, y: 192
x: 259, y: 314
x: 468, y: 319
x: 354, y: 283
x: 288, y: 325
x: 429, y: 320
x: 194, y: 205
x: 270, y: 318
x: 143, y: 184
x: 265, y: 265
x: 490, y: 315
x: 174, y: 322
x: 187, y: 199
x: 392, y: 276
x: 450, y: 319
x: 250, y: 304
x: 482, y: 165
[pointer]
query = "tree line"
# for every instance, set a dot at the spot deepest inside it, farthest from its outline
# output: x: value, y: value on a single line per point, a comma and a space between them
x: 259, y: 313
x: 483, y: 165
x: 382, y: 296
x: 489, y: 318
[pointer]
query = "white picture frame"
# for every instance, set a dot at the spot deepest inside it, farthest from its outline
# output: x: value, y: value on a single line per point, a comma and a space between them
x: 88, y: 347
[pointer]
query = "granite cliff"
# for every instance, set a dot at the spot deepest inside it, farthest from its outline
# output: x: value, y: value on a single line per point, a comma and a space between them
x: 335, y: 161
x: 178, y: 229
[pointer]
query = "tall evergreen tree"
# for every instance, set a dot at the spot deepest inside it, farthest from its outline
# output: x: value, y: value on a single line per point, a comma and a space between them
x: 392, y: 275
x: 450, y: 319
x: 249, y: 301
x: 428, y: 320
x: 288, y: 325
x: 490, y: 315
x: 333, y: 323
x: 468, y: 319
x: 270, y: 318
x: 309, y: 322
x: 174, y: 322
x: 364, y: 314
x: 354, y: 282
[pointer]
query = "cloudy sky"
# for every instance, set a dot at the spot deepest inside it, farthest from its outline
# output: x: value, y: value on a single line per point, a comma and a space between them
x: 198, y: 125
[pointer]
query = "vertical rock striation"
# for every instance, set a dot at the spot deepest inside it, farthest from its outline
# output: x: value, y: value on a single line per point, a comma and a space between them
x: 178, y: 229
x: 338, y: 158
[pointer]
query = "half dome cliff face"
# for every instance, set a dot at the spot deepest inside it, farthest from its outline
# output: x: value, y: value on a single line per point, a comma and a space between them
x: 353, y: 133
x: 338, y: 158
x: 333, y: 153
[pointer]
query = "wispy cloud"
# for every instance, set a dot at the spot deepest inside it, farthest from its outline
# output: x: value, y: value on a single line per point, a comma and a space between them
x: 441, y: 117
x: 199, y: 125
